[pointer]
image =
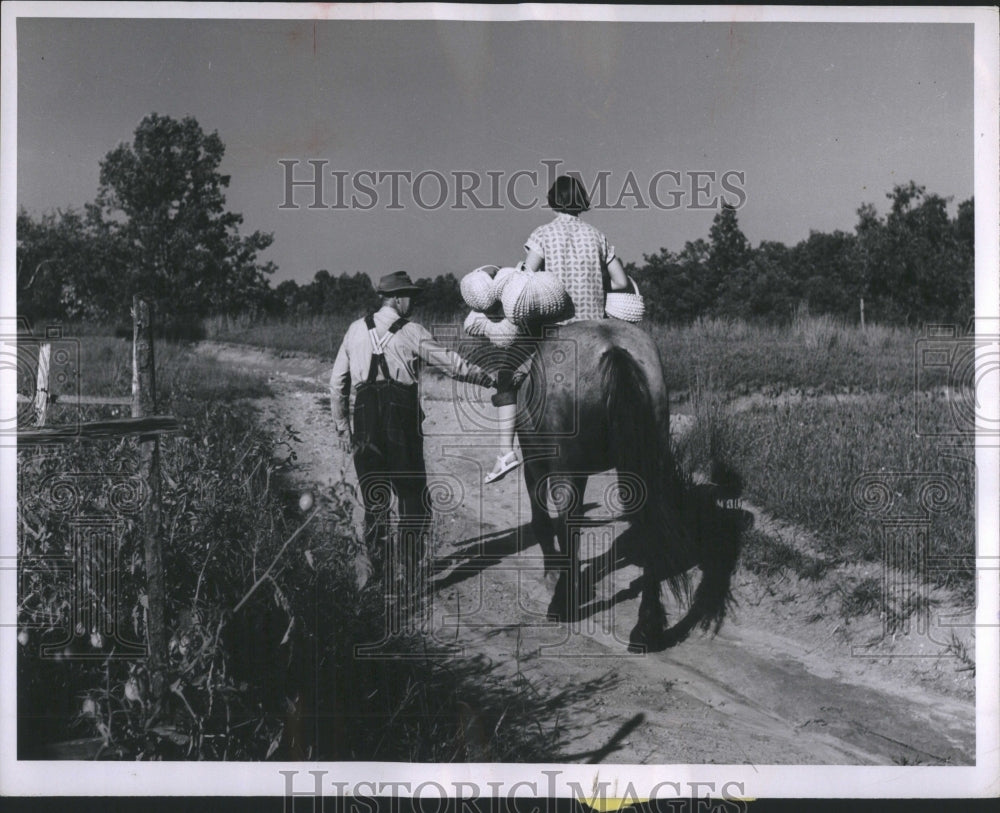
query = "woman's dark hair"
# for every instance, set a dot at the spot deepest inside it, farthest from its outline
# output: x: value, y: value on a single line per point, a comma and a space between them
x: 568, y: 195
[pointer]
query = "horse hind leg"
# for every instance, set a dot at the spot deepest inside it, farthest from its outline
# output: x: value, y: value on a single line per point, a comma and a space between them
x: 536, y: 480
x: 648, y: 633
x: 569, y: 593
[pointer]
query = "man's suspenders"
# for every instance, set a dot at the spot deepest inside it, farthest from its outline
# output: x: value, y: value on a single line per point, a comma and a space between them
x: 378, y: 363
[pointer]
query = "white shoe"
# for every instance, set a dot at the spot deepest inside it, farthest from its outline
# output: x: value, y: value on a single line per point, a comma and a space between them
x: 505, y: 463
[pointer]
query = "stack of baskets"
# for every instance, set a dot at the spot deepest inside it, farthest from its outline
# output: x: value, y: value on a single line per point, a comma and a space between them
x: 505, y: 300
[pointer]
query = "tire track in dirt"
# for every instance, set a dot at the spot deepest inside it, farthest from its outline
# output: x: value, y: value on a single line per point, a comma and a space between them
x: 781, y: 684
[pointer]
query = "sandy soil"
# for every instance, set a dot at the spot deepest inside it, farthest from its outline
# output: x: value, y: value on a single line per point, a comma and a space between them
x: 788, y: 680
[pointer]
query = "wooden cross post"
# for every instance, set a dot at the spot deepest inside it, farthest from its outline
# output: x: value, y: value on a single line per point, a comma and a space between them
x: 144, y: 404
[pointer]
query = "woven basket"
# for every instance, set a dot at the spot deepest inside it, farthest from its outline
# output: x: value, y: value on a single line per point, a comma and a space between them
x: 502, y: 333
x: 503, y: 276
x: 477, y: 288
x: 629, y: 307
x: 539, y: 296
x: 475, y: 323
x: 512, y: 287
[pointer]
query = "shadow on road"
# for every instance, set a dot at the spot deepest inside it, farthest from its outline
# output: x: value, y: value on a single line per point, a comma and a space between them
x: 477, y: 554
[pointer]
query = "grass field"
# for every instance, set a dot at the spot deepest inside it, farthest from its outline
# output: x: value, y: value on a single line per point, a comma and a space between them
x: 317, y: 335
x: 817, y: 354
x: 102, y: 365
x: 821, y: 465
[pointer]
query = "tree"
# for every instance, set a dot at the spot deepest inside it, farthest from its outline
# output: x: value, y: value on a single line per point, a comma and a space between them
x: 728, y: 259
x: 66, y: 266
x: 675, y: 286
x: 965, y: 260
x: 441, y: 299
x: 771, y: 290
x: 161, y: 200
x: 917, y: 263
x: 46, y: 253
x: 827, y: 269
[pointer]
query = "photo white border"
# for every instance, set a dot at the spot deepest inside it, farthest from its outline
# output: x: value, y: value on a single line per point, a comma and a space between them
x: 264, y: 779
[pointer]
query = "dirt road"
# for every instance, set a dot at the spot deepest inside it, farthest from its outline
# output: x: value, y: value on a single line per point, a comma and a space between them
x: 789, y: 680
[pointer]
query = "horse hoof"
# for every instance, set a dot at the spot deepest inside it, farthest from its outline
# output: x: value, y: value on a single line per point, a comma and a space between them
x: 641, y: 642
x: 636, y: 648
x: 671, y: 638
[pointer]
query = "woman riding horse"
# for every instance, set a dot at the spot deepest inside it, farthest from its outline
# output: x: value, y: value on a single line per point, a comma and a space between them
x: 580, y: 256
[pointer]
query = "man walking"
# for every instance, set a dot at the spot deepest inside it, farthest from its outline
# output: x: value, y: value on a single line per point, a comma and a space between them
x: 380, y: 361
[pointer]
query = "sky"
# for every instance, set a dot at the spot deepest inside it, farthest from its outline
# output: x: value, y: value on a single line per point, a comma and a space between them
x: 817, y: 117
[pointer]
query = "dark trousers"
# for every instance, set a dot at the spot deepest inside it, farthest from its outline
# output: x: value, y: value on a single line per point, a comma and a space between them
x: 389, y: 461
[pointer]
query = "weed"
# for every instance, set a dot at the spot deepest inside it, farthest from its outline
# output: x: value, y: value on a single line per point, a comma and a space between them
x: 960, y: 651
x: 814, y: 353
x: 862, y: 598
x: 800, y: 462
x: 768, y: 556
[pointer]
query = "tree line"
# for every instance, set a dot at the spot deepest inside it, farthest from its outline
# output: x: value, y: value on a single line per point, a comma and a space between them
x: 159, y: 227
x: 914, y: 264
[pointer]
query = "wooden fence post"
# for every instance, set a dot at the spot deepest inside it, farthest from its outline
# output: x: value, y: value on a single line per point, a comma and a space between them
x: 144, y: 404
x: 42, y: 384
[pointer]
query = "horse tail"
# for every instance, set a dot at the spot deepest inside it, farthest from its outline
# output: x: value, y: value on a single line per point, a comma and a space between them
x: 712, y: 514
x: 637, y: 440
x: 721, y: 558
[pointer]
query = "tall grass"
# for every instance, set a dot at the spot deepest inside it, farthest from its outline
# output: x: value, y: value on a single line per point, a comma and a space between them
x: 317, y: 335
x: 817, y: 354
x: 812, y: 353
x: 802, y: 463
x: 101, y: 365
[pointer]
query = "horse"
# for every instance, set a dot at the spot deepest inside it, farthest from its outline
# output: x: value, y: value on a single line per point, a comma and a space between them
x: 594, y: 399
